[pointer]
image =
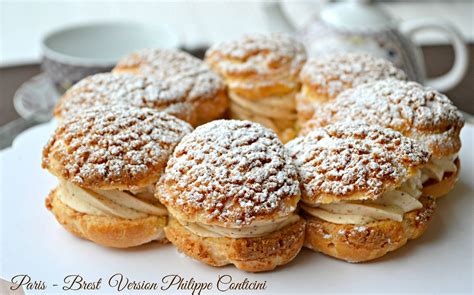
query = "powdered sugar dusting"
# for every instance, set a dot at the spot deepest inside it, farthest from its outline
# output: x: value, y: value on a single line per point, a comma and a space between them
x: 109, y: 145
x: 191, y: 74
x: 416, y: 111
x: 258, y: 54
x: 333, y: 73
x: 233, y: 172
x: 347, y: 158
x: 114, y: 88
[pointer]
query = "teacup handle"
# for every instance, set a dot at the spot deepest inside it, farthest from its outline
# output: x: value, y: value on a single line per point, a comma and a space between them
x: 461, y: 54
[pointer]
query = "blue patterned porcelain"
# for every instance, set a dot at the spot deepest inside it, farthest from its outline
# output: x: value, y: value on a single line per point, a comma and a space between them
x: 360, y: 25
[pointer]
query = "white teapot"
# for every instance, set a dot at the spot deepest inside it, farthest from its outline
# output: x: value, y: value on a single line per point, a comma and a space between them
x: 359, y: 25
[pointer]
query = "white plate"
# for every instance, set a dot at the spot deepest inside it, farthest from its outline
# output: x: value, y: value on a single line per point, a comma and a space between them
x: 33, y: 243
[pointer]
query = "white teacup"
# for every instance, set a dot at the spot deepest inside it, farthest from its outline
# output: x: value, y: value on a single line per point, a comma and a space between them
x: 72, y: 53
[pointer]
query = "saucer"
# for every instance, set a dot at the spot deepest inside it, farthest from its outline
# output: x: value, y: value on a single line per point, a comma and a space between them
x: 36, y: 98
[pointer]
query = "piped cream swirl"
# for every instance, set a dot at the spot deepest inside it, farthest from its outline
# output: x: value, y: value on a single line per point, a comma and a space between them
x: 281, y: 107
x: 275, y: 112
x: 436, y: 168
x: 251, y: 231
x: 109, y: 202
x: 392, y: 205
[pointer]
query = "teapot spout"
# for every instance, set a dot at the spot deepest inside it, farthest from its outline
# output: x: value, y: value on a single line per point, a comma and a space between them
x: 276, y: 18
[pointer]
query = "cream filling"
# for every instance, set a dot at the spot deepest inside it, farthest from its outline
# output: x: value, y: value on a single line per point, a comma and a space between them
x: 109, y: 202
x: 275, y: 107
x: 436, y: 168
x: 391, y: 205
x: 252, y: 231
x: 274, y: 112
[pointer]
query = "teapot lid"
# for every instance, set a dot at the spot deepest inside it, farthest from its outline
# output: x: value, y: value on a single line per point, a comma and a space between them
x: 356, y: 14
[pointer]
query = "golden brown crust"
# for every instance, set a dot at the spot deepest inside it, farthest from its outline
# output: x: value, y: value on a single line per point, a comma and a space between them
x: 306, y: 107
x: 137, y: 91
x: 325, y: 77
x: 358, y: 243
x: 331, y: 74
x: 229, y: 173
x: 261, y: 72
x: 421, y: 113
x: 353, y: 161
x: 276, y: 112
x: 249, y: 254
x: 113, y: 147
x: 210, y: 109
x: 201, y: 91
x: 107, y: 230
x: 257, y: 66
x: 441, y: 188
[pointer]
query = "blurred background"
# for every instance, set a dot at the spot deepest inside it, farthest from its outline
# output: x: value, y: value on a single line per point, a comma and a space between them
x: 197, y: 24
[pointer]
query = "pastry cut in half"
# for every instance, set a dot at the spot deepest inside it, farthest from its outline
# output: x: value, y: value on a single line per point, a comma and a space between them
x: 361, y: 190
x: 323, y: 78
x: 232, y: 190
x: 418, y: 112
x: 107, y: 161
x: 261, y: 73
x: 197, y: 94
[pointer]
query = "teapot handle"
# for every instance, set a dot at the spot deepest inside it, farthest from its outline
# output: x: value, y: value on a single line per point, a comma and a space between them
x: 461, y: 55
